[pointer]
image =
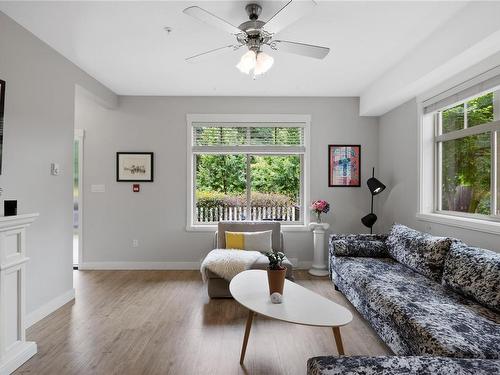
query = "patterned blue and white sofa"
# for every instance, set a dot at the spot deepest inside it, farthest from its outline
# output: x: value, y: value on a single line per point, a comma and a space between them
x: 387, y: 365
x: 423, y: 295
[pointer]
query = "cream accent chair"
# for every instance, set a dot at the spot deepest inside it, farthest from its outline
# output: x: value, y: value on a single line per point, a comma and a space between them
x: 219, y: 287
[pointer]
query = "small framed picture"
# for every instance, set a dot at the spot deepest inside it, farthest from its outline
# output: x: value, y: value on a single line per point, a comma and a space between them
x: 344, y: 165
x: 134, y: 166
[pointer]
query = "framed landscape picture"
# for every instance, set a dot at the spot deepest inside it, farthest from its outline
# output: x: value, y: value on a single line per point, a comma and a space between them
x: 134, y: 166
x: 344, y: 165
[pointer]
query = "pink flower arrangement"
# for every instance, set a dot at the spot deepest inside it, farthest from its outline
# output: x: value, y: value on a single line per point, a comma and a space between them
x: 320, y: 207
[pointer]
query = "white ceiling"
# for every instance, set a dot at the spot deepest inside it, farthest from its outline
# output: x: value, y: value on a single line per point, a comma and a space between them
x: 124, y: 46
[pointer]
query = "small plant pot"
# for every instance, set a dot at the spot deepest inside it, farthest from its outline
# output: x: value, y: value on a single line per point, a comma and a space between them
x: 276, y: 280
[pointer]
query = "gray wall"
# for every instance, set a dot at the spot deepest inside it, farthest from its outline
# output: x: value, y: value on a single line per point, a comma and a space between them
x: 157, y: 215
x: 398, y: 169
x: 39, y: 117
x: 398, y: 166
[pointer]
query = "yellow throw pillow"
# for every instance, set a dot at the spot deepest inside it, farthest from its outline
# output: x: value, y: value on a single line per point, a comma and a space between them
x: 257, y: 241
x: 235, y: 240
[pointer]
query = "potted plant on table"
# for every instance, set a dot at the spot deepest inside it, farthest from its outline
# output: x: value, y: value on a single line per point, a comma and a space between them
x: 276, y: 272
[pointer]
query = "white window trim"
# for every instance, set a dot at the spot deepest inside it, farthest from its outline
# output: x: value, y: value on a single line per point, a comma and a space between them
x: 480, y: 225
x: 246, y: 118
x: 428, y: 203
x: 80, y: 137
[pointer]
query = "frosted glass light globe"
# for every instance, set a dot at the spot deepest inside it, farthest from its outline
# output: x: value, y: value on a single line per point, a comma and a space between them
x: 247, y: 62
x: 264, y: 62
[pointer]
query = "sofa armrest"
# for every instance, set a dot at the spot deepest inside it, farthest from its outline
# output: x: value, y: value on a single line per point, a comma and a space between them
x: 358, y: 245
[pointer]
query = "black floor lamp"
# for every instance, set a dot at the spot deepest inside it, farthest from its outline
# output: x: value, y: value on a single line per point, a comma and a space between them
x: 376, y: 187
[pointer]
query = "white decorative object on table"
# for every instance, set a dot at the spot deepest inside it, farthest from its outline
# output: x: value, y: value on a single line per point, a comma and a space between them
x: 14, y: 349
x: 276, y: 298
x: 319, y: 267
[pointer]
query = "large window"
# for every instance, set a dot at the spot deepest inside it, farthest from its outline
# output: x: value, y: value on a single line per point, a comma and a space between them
x: 244, y: 170
x: 467, y: 164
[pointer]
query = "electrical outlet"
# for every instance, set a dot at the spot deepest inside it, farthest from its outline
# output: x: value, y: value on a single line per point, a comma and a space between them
x: 135, y: 243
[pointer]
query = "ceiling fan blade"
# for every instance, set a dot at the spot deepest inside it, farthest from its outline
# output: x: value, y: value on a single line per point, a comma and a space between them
x: 308, y: 50
x: 211, y: 19
x: 197, y: 57
x: 289, y: 13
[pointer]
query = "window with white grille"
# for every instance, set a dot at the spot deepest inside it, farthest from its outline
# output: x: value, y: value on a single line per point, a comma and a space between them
x: 247, y: 170
x: 467, y: 149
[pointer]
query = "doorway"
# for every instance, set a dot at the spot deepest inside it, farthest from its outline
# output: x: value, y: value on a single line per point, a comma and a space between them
x: 77, y: 197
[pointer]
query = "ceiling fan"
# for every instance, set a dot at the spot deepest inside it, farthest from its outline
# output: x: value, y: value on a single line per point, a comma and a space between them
x: 254, y: 34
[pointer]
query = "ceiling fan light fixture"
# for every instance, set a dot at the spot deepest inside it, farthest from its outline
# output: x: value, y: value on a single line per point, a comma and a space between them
x: 263, y: 63
x: 247, y: 62
x: 255, y: 34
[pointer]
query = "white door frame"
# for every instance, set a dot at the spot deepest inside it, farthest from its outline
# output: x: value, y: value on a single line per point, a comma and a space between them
x: 79, y: 136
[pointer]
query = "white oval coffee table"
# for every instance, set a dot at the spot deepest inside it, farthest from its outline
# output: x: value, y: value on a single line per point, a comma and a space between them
x: 300, y: 306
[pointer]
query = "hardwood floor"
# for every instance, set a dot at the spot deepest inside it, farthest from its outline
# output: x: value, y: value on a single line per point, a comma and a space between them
x: 162, y: 322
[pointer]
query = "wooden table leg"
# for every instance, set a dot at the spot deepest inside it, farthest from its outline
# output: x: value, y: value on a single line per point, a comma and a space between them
x: 247, y: 334
x: 338, y: 340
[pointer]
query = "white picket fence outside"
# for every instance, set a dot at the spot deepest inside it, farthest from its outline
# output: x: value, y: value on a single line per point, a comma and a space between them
x: 239, y: 213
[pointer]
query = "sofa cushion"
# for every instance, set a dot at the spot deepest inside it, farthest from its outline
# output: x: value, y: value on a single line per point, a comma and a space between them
x: 474, y: 273
x: 426, y: 317
x: 250, y: 226
x: 256, y: 241
x: 391, y: 365
x: 421, y: 252
x: 361, y: 245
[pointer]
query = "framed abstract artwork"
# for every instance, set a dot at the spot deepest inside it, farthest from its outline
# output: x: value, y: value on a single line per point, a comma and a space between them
x: 2, y: 105
x: 134, y: 166
x: 344, y: 165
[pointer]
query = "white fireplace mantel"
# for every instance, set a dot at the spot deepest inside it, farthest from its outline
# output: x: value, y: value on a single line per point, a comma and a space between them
x: 14, y: 349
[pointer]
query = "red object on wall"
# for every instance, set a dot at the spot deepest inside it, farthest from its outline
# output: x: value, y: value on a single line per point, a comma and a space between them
x: 136, y: 188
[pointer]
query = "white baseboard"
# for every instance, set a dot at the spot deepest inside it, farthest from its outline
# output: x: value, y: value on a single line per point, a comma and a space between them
x: 304, y: 264
x: 49, y: 307
x: 161, y: 265
x: 17, y: 356
x: 139, y: 266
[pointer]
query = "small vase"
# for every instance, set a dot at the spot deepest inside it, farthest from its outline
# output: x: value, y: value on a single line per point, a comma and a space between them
x: 276, y: 280
x: 318, y: 217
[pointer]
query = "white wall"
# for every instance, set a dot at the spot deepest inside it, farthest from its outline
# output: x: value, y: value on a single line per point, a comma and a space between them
x: 157, y: 215
x: 39, y: 118
x: 469, y: 36
x: 398, y: 170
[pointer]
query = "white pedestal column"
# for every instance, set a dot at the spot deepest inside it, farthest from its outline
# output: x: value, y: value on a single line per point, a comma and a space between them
x: 14, y: 349
x: 319, y: 267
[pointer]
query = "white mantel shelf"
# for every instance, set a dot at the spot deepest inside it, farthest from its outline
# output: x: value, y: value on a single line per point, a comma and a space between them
x: 14, y: 349
x: 18, y: 220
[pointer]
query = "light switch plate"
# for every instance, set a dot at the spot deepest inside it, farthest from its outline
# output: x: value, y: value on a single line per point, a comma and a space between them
x: 98, y: 188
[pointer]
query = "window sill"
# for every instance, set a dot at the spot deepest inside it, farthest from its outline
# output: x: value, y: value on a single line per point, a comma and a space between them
x: 486, y: 226
x: 213, y: 228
